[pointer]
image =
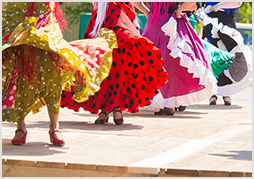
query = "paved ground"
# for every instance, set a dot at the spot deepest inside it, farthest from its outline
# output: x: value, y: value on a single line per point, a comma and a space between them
x: 212, y: 138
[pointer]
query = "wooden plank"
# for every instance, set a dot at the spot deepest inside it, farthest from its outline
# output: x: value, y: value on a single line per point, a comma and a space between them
x: 248, y: 174
x: 181, y: 173
x: 50, y: 164
x: 118, y: 169
x: 206, y: 173
x: 80, y: 166
x: 149, y: 175
x: 143, y: 170
x: 20, y: 162
x: 25, y: 171
x: 238, y: 174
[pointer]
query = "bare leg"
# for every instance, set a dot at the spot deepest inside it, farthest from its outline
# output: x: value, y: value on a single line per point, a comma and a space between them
x: 54, y: 124
x: 22, y: 126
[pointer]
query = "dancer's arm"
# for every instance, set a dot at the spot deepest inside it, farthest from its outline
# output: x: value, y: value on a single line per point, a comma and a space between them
x: 226, y: 5
x: 143, y: 8
x: 192, y: 8
x: 186, y: 6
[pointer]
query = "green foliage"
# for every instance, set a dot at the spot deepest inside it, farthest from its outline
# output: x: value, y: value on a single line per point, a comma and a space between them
x: 244, y: 13
x: 198, y: 27
x: 74, y: 12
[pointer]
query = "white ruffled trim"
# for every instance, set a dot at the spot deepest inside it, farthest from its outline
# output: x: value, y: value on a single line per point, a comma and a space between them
x: 216, y: 26
x: 158, y: 102
x: 178, y: 48
x: 235, y: 87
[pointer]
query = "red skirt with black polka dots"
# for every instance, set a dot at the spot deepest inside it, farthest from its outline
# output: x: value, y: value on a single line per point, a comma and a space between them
x: 137, y: 69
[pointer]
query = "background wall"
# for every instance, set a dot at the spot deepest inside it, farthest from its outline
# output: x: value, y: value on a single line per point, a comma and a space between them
x: 73, y: 33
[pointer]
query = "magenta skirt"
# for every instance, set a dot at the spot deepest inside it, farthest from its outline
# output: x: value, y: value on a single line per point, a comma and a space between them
x: 190, y: 75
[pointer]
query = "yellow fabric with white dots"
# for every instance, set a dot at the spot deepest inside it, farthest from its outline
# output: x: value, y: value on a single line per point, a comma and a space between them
x: 13, y: 14
x: 43, y: 45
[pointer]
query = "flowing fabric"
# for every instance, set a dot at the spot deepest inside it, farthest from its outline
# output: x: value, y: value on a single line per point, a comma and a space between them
x: 137, y: 69
x: 190, y: 76
x: 220, y: 60
x: 220, y: 30
x: 38, y: 63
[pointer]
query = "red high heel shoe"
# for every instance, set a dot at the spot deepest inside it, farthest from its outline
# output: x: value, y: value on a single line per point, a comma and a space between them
x: 54, y: 140
x: 118, y: 121
x: 21, y: 140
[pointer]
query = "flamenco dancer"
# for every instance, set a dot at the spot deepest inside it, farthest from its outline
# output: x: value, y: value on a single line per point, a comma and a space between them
x: 137, y: 69
x: 190, y: 75
x: 37, y: 63
x: 220, y: 30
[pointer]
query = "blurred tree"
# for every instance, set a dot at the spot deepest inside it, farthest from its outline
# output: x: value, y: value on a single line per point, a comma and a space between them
x: 244, y: 14
x: 74, y: 12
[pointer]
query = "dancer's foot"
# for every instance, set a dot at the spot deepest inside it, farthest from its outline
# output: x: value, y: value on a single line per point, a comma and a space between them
x: 56, y: 137
x: 103, y: 117
x: 227, y: 100
x: 181, y: 108
x: 213, y: 100
x: 161, y: 112
x: 169, y: 111
x: 19, y: 133
x: 20, y: 137
x: 118, y: 117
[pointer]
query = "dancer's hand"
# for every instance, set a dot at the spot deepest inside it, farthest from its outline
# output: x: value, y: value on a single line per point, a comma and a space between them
x: 225, y: 5
x: 184, y: 7
x: 178, y: 13
x: 215, y: 8
x: 146, y: 14
x: 143, y: 8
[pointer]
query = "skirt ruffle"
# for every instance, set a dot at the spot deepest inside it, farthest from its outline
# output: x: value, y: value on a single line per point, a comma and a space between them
x: 137, y: 69
x: 238, y: 75
x: 136, y: 74
x: 188, y: 56
x: 85, y: 63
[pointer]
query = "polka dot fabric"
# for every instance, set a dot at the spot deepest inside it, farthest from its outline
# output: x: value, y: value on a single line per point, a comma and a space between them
x: 41, y: 63
x: 46, y: 86
x: 137, y: 68
x: 14, y: 14
x: 8, y: 100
